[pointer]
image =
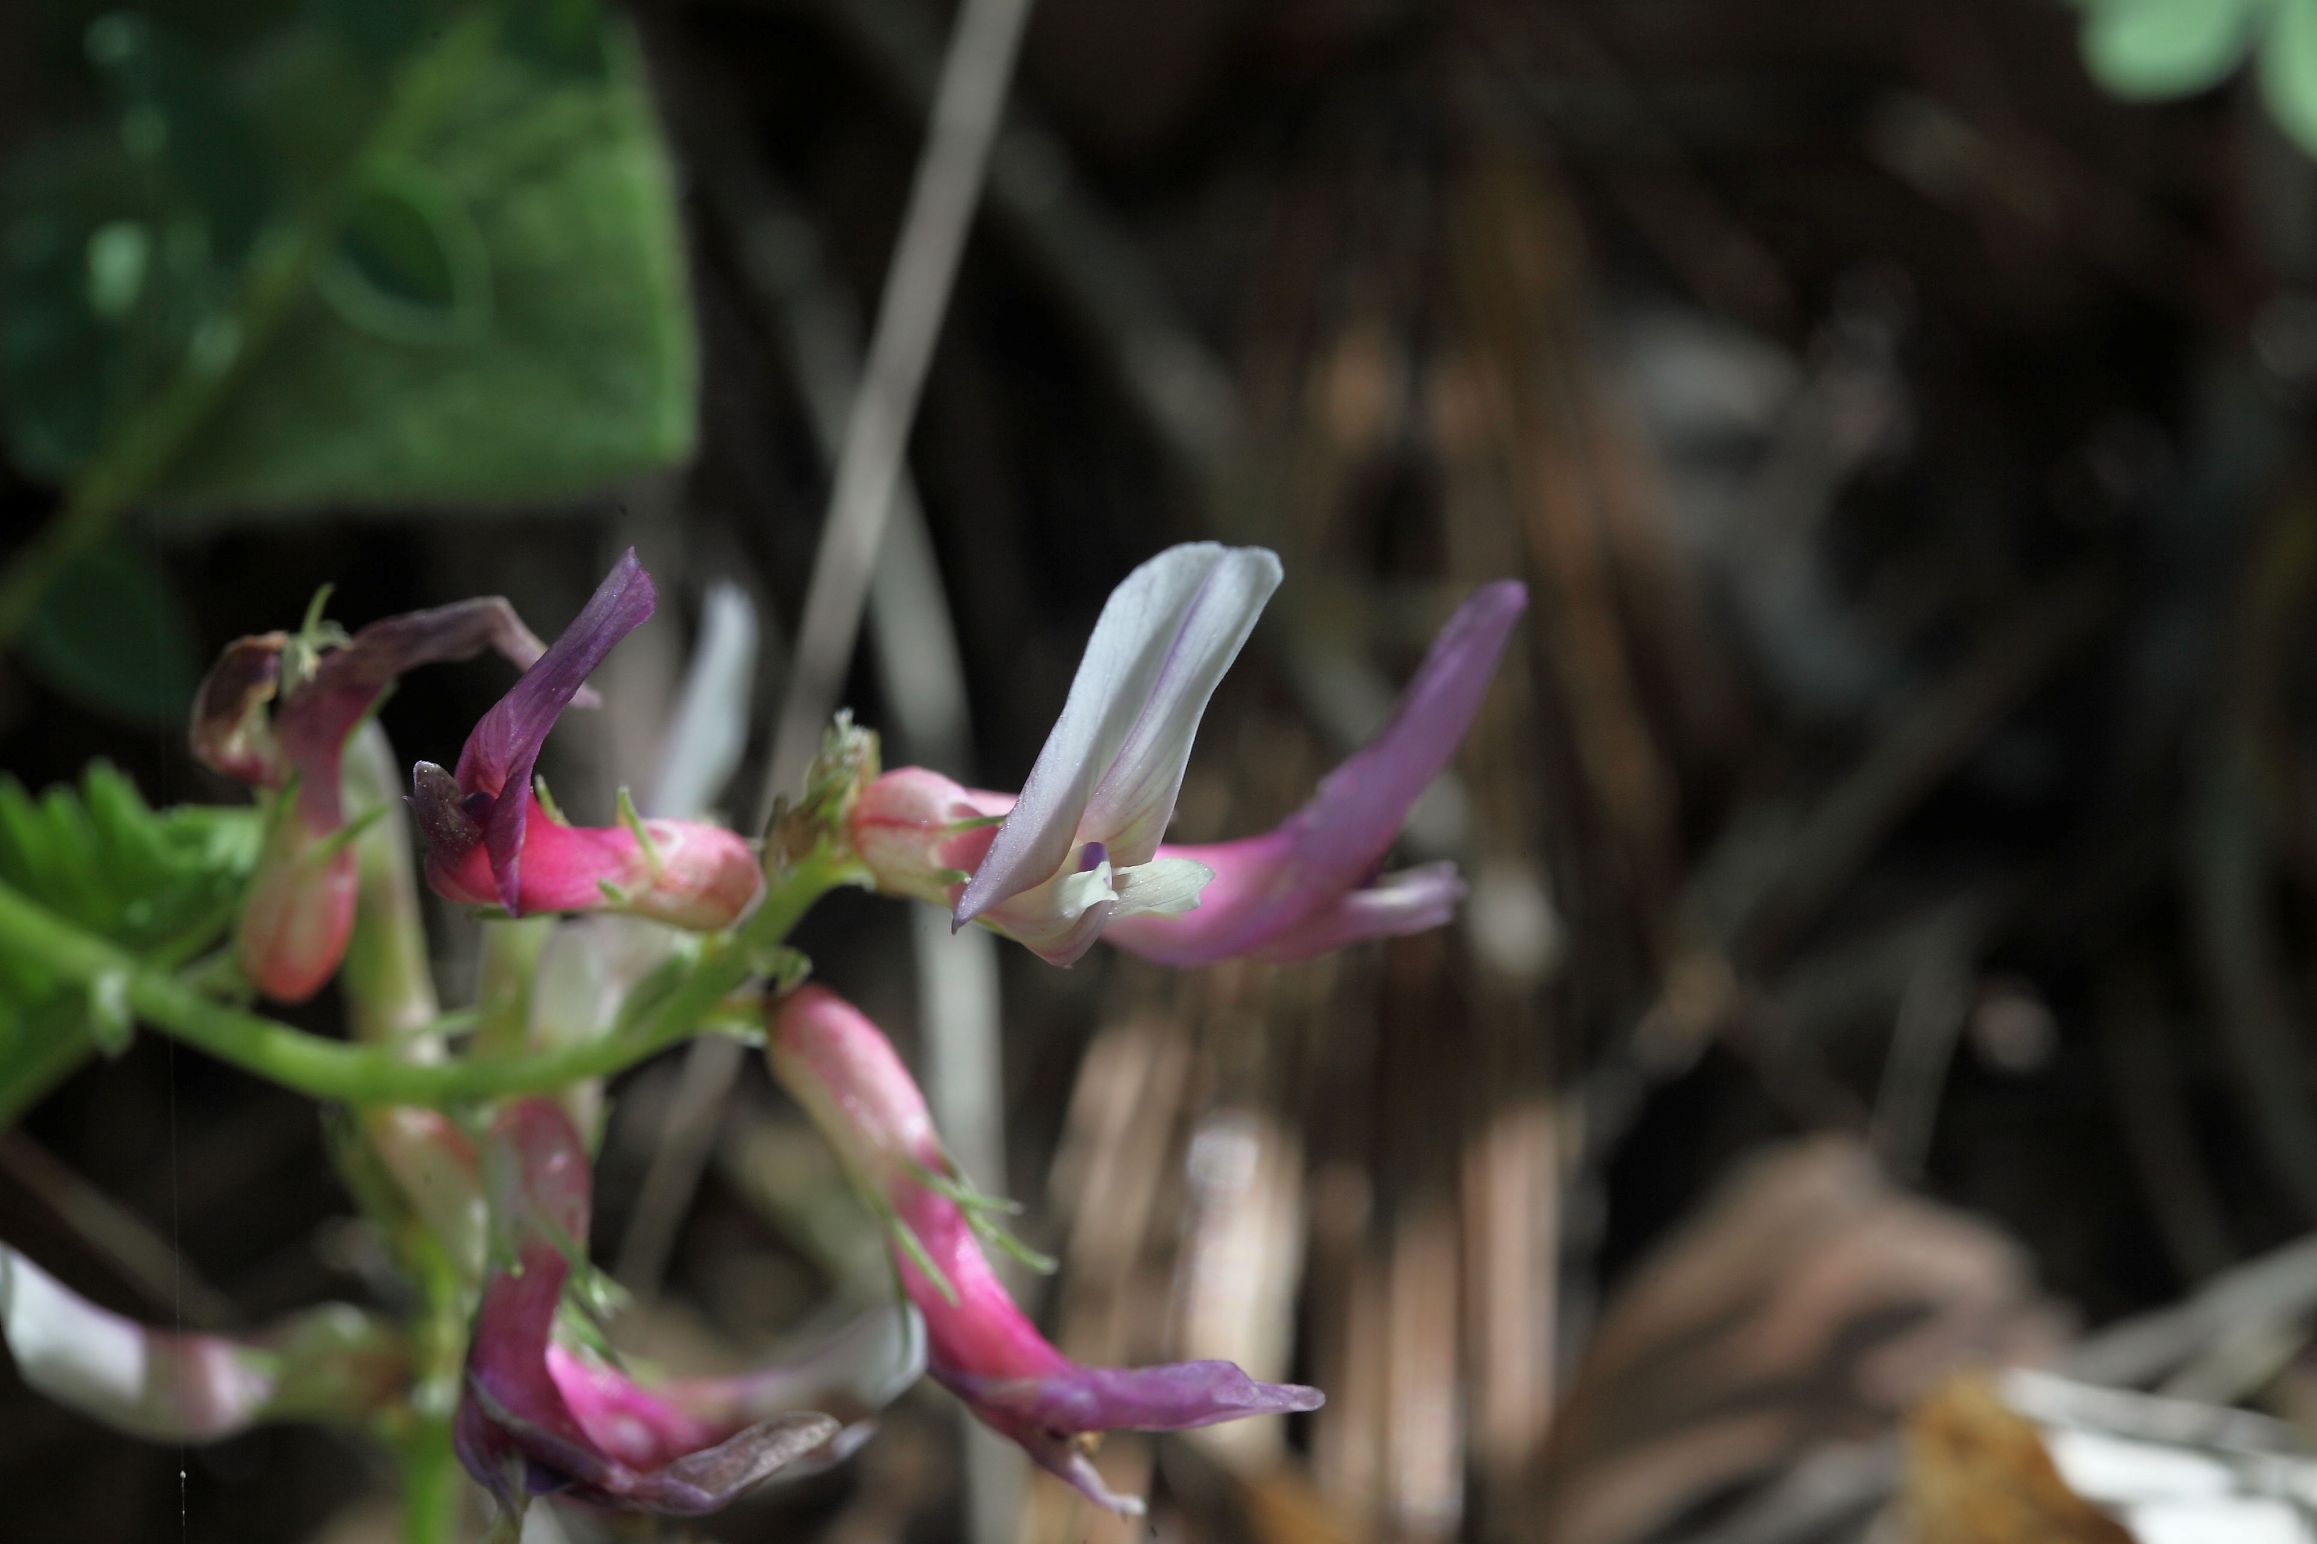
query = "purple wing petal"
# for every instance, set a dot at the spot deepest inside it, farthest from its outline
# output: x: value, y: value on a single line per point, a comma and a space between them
x: 1351, y: 823
x: 1287, y: 893
x: 1173, y: 1397
x: 534, y: 1418
x: 315, y: 719
x: 504, y: 746
x: 1413, y: 900
x: 230, y: 733
x: 1114, y: 761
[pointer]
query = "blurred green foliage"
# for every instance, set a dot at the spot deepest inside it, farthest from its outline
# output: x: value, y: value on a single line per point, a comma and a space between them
x: 162, y: 884
x: 499, y: 312
x: 115, y: 636
x: 2154, y: 50
x: 303, y: 254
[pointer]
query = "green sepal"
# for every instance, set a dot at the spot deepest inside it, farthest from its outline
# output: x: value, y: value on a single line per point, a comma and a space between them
x: 547, y: 800
x: 633, y: 819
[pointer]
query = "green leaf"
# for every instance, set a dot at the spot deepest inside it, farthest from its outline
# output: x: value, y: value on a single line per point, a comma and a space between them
x: 162, y: 884
x: 503, y: 317
x: 410, y: 267
x: 121, y: 245
x: 2150, y: 50
x: 2289, y: 71
x: 543, y: 345
x: 112, y: 633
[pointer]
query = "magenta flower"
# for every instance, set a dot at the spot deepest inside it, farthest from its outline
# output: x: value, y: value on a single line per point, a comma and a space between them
x: 537, y: 1416
x: 981, y: 1346
x: 491, y: 842
x: 1078, y: 854
x: 300, y: 908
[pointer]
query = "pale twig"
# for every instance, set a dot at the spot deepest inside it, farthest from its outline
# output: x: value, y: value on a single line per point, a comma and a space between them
x: 966, y: 105
x: 1175, y: 386
x: 126, y: 1242
x: 875, y: 548
x: 922, y: 679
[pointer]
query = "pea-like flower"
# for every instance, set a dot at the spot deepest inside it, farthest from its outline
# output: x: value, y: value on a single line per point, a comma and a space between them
x: 333, y: 1363
x: 321, y: 683
x: 490, y: 841
x: 980, y: 1345
x: 1077, y: 855
x: 537, y: 1416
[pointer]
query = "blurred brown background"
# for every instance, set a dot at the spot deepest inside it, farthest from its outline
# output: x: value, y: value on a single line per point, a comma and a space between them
x: 1891, y: 836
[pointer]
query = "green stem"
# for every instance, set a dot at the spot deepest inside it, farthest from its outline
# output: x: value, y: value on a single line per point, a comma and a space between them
x: 434, y: 1492
x: 390, y: 995
x: 365, y: 1074
x: 510, y: 963
x: 138, y: 456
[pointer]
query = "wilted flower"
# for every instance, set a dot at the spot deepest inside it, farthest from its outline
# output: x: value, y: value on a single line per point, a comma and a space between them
x: 491, y: 842
x: 537, y: 1416
x: 334, y: 1363
x: 981, y: 1346
x: 1077, y: 854
x: 300, y: 906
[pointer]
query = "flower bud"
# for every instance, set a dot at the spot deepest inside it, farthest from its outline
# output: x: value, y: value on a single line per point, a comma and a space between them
x: 920, y: 834
x: 298, y: 913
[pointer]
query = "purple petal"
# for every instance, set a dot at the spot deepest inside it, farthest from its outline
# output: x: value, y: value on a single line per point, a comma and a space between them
x: 1047, y: 1415
x: 444, y: 820
x: 1173, y: 1397
x: 230, y: 732
x: 504, y: 747
x: 535, y: 1418
x: 318, y: 715
x: 1413, y: 900
x: 1268, y: 888
x: 1114, y: 761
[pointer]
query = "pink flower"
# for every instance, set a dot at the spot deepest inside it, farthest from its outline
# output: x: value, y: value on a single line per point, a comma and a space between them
x: 537, y: 1416
x: 300, y: 908
x: 981, y: 1346
x: 1078, y: 854
x: 490, y: 841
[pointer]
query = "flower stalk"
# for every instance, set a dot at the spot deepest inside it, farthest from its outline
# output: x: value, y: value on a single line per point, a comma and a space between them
x: 372, y: 1075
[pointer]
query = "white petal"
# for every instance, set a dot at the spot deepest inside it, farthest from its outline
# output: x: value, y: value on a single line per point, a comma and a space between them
x: 1113, y: 764
x: 709, y: 730
x: 1165, y: 887
x: 1076, y: 892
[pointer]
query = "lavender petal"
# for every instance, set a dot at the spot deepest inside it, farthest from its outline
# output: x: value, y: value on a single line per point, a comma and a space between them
x: 1175, y: 1396
x: 1276, y: 894
x: 504, y: 747
x: 517, y: 1430
x: 1413, y: 900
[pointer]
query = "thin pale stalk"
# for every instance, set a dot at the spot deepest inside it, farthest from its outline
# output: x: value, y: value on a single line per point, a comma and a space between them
x: 390, y: 995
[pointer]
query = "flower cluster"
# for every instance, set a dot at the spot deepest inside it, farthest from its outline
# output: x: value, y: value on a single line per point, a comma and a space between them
x: 487, y: 1191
